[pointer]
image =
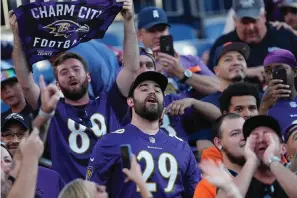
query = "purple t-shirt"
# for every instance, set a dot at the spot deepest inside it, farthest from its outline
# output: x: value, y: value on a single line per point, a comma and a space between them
x: 75, y: 130
x: 168, y: 164
x: 49, y: 183
x: 285, y: 112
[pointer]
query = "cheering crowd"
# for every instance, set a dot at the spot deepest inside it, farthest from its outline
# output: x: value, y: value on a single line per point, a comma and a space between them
x: 222, y: 128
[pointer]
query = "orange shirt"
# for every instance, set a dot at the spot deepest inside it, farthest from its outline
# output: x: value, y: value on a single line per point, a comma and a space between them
x: 205, y: 190
x: 212, y: 153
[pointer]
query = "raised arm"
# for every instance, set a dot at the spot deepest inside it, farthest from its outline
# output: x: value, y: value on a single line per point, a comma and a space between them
x: 203, y: 84
x: 210, y: 111
x: 284, y: 176
x: 24, y: 75
x: 131, y: 52
x: 244, y: 178
x: 31, y: 149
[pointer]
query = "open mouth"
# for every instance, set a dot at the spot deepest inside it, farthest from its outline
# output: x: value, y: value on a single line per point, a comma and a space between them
x: 152, y: 100
x: 73, y: 83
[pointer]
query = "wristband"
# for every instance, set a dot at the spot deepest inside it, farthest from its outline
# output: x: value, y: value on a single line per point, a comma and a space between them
x: 273, y: 159
x: 46, y: 115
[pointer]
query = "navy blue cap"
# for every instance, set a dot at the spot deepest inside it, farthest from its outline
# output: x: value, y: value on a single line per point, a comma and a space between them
x: 248, y: 8
x: 240, y: 47
x: 151, y: 16
x: 16, y: 118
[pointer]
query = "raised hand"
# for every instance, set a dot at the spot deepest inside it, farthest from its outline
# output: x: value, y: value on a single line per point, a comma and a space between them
x: 216, y: 174
x: 13, y: 23
x: 49, y: 96
x: 275, y: 90
x: 249, y: 151
x: 273, y: 149
x: 127, y: 10
x: 32, y: 146
x: 134, y: 173
x: 178, y: 107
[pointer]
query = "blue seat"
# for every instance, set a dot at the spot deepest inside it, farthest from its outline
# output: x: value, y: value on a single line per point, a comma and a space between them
x: 114, y: 36
x: 182, y: 32
x: 214, y: 30
x: 195, y: 47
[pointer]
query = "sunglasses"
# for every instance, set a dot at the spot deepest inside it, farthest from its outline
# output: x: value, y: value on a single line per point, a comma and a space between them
x: 287, y: 10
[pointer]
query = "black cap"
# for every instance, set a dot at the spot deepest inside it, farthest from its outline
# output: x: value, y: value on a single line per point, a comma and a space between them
x: 261, y: 121
x: 240, y: 47
x: 16, y: 118
x: 157, y: 77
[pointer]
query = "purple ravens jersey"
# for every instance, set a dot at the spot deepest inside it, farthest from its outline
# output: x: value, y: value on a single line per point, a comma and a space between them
x: 49, y: 183
x: 168, y: 165
x: 180, y: 126
x: 285, y: 112
x: 74, y: 130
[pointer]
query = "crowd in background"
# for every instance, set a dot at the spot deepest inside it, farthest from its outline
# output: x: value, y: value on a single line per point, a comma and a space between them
x: 221, y: 126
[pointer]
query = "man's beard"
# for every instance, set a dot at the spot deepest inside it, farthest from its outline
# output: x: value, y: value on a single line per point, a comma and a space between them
x: 148, y: 113
x: 76, y: 94
x: 235, y: 160
x: 237, y: 78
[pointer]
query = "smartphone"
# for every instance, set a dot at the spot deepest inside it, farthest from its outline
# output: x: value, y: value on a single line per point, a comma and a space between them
x: 280, y: 73
x: 126, y: 154
x: 166, y: 45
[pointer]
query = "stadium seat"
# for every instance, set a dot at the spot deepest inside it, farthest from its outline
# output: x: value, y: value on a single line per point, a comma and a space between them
x: 182, y: 32
x: 214, y: 27
x: 192, y: 47
x: 114, y: 36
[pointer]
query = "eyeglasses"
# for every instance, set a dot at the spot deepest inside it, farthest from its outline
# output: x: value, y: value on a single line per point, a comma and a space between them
x: 9, y: 136
x: 287, y: 10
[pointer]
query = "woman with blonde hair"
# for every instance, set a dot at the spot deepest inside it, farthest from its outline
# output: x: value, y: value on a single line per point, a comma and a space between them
x: 83, y: 189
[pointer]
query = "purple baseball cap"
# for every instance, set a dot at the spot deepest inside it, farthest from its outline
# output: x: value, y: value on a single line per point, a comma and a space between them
x: 280, y: 56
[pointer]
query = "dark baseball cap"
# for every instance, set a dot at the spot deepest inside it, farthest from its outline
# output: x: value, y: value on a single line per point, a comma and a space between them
x: 288, y: 131
x: 240, y: 47
x: 15, y: 118
x: 248, y: 8
x: 151, y: 16
x: 261, y: 121
x: 157, y: 77
x: 289, y: 3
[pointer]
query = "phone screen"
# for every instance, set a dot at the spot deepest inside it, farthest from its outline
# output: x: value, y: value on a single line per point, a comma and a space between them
x: 280, y: 73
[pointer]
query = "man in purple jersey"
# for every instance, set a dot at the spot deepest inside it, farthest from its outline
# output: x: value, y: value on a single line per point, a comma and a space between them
x: 168, y: 164
x: 280, y: 98
x: 184, y: 72
x: 78, y: 121
x: 182, y: 115
x: 13, y: 129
